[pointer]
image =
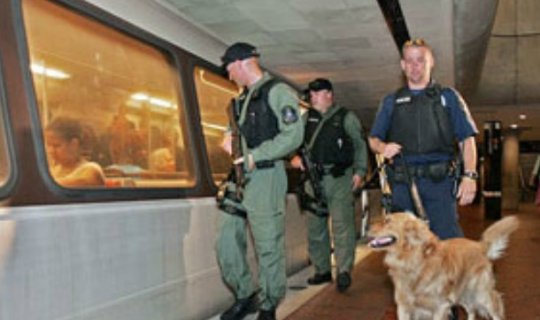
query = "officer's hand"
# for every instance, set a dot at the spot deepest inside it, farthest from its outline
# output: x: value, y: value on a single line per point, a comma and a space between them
x: 391, y: 149
x: 356, y: 182
x: 226, y: 144
x: 296, y: 162
x: 466, y: 191
x: 251, y: 163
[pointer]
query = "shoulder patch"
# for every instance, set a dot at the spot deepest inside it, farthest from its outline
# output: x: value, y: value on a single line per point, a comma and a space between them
x: 289, y: 115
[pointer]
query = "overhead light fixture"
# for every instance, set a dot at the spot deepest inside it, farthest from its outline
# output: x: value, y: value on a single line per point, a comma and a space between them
x: 214, y: 126
x: 513, y: 126
x: 139, y: 96
x: 48, y: 72
x: 522, y: 116
x: 158, y: 102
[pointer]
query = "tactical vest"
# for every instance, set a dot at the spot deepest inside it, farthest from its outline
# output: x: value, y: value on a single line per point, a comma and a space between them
x: 332, y: 144
x: 420, y: 123
x: 261, y: 123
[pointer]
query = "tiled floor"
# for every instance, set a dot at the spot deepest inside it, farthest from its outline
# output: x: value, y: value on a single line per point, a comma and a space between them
x: 370, y: 296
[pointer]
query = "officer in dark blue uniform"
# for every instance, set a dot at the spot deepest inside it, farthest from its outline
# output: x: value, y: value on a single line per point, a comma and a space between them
x: 417, y: 127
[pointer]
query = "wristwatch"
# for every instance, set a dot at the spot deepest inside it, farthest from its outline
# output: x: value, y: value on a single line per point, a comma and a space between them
x: 471, y: 175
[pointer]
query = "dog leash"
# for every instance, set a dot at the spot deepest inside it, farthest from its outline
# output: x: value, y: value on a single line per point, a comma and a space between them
x: 413, y: 189
x: 379, y: 172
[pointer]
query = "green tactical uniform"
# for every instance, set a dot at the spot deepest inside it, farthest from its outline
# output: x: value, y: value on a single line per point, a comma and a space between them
x: 264, y: 202
x: 340, y: 201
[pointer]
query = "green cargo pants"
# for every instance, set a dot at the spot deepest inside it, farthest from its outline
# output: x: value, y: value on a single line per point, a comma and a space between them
x: 341, y: 207
x: 264, y: 201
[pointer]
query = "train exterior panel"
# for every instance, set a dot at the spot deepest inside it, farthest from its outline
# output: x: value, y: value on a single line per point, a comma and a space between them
x: 119, y: 260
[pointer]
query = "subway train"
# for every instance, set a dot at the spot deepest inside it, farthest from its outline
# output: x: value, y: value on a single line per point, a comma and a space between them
x: 150, y: 113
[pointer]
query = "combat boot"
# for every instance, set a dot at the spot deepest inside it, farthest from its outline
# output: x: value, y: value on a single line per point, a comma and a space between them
x: 241, y: 308
x: 319, y: 278
x: 343, y: 281
x: 267, y: 315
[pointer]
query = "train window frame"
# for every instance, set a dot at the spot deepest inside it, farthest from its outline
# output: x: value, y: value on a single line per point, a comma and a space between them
x: 178, y: 59
x: 12, y: 172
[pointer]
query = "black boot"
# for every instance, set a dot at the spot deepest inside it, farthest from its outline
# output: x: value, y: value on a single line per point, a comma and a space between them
x: 267, y: 315
x: 241, y: 308
x: 343, y: 281
x: 319, y: 278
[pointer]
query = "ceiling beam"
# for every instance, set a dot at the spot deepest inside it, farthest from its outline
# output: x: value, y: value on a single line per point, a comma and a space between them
x: 391, y: 10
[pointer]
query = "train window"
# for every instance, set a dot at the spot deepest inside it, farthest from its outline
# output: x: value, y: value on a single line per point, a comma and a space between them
x: 109, y: 104
x: 214, y: 94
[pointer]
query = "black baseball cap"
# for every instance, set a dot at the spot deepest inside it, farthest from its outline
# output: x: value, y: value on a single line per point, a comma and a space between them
x: 320, y: 84
x: 239, y: 51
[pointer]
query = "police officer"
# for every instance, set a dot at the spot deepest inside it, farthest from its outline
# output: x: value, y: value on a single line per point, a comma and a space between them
x: 270, y: 130
x: 418, y: 126
x: 333, y: 136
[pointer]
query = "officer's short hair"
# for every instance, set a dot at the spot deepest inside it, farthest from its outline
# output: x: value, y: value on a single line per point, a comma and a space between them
x: 417, y: 43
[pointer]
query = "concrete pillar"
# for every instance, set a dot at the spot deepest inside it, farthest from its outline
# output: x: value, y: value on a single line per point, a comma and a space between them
x: 510, y: 171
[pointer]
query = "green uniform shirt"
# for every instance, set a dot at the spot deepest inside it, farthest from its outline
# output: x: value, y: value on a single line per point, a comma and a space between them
x: 353, y: 128
x: 290, y: 135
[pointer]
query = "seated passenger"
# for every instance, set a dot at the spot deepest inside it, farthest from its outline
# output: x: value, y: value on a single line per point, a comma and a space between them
x: 162, y: 160
x: 64, y: 139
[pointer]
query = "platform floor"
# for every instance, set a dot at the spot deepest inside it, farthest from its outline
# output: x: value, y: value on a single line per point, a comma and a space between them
x: 370, y: 295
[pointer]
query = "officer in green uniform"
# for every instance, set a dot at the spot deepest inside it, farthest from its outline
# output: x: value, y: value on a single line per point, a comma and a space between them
x: 333, y: 135
x: 270, y: 126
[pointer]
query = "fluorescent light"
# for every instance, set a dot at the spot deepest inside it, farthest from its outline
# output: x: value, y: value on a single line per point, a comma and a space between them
x: 214, y: 126
x: 214, y: 85
x: 48, y: 72
x: 139, y: 96
x: 158, y: 102
x: 513, y: 126
x: 522, y: 116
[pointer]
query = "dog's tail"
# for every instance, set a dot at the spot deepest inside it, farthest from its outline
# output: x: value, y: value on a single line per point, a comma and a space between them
x: 495, y: 238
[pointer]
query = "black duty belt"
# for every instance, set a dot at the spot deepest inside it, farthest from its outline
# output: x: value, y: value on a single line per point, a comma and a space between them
x: 265, y: 164
x: 435, y: 171
x: 336, y: 170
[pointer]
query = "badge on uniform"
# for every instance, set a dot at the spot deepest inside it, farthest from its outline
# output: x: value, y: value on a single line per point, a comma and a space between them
x: 289, y: 115
x: 403, y: 100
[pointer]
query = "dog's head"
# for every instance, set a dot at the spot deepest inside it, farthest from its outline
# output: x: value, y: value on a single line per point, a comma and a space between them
x: 400, y: 231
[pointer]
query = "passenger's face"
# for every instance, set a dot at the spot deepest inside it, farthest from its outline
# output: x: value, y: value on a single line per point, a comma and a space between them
x: 61, y: 151
x: 417, y: 63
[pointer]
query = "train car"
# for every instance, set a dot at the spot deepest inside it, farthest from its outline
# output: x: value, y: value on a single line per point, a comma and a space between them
x: 107, y: 87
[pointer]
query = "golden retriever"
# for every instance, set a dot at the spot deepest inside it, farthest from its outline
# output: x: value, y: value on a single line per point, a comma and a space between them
x: 431, y: 275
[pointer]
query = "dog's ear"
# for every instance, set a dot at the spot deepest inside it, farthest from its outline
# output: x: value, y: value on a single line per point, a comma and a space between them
x: 414, y: 232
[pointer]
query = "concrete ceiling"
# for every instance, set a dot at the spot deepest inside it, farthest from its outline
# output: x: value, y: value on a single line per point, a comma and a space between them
x: 489, y: 50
